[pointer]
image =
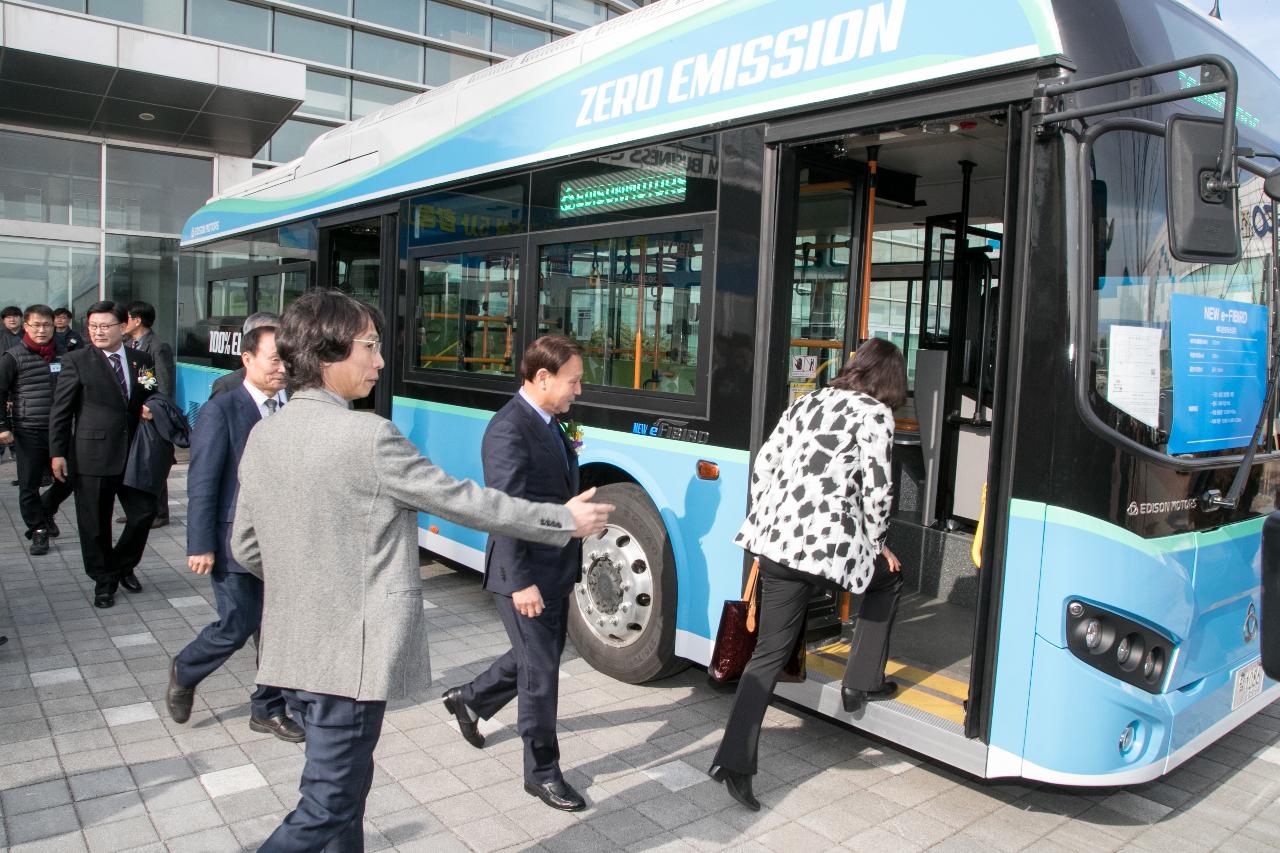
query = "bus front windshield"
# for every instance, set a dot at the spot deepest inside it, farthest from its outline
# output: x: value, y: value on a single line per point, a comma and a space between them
x: 1177, y: 350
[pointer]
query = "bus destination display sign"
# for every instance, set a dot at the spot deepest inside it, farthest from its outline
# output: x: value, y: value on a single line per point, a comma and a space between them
x: 625, y: 191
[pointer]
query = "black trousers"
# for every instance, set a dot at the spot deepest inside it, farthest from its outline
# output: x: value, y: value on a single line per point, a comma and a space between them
x: 784, y: 601
x: 530, y: 670
x: 238, y: 596
x: 33, y: 465
x: 341, y: 736
x: 105, y: 563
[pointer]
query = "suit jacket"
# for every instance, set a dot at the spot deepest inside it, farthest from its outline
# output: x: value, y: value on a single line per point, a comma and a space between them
x: 91, y: 423
x: 523, y: 457
x: 213, y: 480
x: 162, y: 354
x: 327, y: 517
x: 226, y: 382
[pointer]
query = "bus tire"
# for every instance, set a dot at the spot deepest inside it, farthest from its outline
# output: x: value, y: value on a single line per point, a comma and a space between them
x: 622, y: 614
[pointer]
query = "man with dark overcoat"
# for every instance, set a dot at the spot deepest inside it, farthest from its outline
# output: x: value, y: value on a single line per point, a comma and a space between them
x: 97, y: 403
x: 213, y: 482
x: 527, y: 455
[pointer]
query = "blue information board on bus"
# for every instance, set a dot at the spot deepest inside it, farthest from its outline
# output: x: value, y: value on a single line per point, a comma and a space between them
x: 1219, y: 359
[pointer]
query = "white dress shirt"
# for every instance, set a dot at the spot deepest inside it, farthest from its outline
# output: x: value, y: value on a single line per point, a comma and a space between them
x: 260, y: 399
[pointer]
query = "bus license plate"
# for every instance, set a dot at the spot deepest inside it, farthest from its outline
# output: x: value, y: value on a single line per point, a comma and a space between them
x: 1248, y: 684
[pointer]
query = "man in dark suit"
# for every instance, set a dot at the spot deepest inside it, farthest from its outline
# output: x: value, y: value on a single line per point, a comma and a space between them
x: 234, y: 379
x: 97, y: 403
x: 213, y: 483
x: 137, y: 330
x: 65, y: 338
x: 526, y: 454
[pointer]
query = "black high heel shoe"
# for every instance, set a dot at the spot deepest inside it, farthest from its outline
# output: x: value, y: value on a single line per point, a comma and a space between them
x: 738, y: 785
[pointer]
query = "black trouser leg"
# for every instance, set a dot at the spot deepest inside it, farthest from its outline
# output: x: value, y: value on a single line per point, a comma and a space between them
x: 139, y: 512
x: 95, y: 497
x: 33, y: 464
x: 784, y: 602
x: 869, y: 650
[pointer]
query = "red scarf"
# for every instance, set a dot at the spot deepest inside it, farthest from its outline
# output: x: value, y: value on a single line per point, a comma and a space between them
x: 45, y: 351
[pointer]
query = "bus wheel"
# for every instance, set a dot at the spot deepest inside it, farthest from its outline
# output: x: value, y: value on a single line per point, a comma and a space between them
x: 623, y: 616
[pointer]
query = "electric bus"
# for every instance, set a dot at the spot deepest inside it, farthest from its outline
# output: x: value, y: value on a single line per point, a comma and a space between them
x: 1056, y: 209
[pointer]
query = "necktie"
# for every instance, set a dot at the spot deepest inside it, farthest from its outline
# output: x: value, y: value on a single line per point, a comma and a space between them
x: 271, y: 403
x: 558, y: 436
x: 116, y: 366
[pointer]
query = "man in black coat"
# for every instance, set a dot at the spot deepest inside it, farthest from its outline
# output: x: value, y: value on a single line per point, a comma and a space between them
x: 97, y: 404
x: 527, y: 455
x: 65, y: 337
x: 28, y: 372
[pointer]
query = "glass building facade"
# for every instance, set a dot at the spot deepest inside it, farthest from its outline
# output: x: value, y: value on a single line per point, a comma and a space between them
x: 84, y: 217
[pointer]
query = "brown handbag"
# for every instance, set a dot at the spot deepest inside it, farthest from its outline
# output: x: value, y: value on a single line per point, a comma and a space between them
x: 736, y: 637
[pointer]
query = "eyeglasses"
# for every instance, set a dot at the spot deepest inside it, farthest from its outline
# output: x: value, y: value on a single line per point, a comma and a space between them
x: 371, y: 345
x: 103, y: 327
x: 39, y: 326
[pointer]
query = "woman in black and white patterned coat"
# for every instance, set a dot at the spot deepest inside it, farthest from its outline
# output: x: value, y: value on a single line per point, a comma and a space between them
x: 821, y: 491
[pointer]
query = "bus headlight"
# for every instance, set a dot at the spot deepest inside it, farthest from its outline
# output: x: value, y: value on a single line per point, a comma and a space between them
x: 1119, y: 646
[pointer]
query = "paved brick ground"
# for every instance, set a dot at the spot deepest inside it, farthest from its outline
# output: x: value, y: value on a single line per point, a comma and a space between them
x: 90, y: 761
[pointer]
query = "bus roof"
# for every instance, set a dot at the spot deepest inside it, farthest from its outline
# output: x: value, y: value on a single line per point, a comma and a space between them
x: 676, y: 65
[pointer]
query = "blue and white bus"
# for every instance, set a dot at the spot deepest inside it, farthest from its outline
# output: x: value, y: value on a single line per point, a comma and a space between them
x: 719, y: 199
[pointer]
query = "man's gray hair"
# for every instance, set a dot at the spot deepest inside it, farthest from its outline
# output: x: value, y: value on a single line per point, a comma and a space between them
x: 262, y: 318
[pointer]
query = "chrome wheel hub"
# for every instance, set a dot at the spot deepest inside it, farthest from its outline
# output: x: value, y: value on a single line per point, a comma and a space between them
x: 615, y: 596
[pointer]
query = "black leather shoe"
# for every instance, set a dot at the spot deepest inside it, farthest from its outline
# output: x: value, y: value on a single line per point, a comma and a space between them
x: 160, y: 521
x: 104, y: 600
x: 39, y: 543
x: 559, y: 795
x: 855, y: 699
x: 454, y: 705
x: 131, y: 582
x: 280, y: 726
x: 51, y: 527
x: 178, y: 699
x: 738, y: 785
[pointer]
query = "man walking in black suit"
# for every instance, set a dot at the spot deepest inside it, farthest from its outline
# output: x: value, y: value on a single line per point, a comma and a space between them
x: 137, y: 330
x: 527, y: 455
x: 213, y: 482
x: 97, y: 403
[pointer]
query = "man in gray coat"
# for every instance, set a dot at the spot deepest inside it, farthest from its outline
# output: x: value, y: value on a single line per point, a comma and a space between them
x: 334, y: 537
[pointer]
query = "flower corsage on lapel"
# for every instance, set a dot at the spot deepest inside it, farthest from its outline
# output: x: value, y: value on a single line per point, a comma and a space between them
x: 573, y: 431
x: 147, y: 378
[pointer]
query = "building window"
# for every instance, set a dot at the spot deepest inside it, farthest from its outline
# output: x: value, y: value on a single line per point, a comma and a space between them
x: 388, y: 57
x: 459, y: 26
x: 402, y: 14
x: 443, y: 66
x: 308, y: 39
x: 370, y: 97
x: 327, y: 95
x: 161, y: 14
x: 148, y: 191
x: 231, y: 22
x: 69, y: 5
x: 293, y: 138
x: 579, y: 14
x: 633, y: 304
x: 144, y: 268
x: 510, y: 38
x: 43, y: 179
x: 338, y: 7
x: 53, y: 272
x: 534, y: 8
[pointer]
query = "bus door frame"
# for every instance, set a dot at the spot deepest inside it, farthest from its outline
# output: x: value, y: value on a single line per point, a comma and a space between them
x: 388, y: 216
x: 1011, y: 92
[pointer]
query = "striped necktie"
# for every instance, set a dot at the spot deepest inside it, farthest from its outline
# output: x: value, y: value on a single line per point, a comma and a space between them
x: 115, y: 365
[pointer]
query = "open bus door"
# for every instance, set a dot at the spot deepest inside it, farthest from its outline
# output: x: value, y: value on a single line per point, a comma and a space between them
x: 868, y: 243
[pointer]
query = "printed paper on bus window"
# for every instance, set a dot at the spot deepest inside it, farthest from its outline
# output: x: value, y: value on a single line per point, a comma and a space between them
x: 1133, y: 372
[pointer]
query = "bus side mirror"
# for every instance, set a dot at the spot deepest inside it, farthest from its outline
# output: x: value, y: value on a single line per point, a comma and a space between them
x: 1271, y: 185
x: 1202, y: 219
